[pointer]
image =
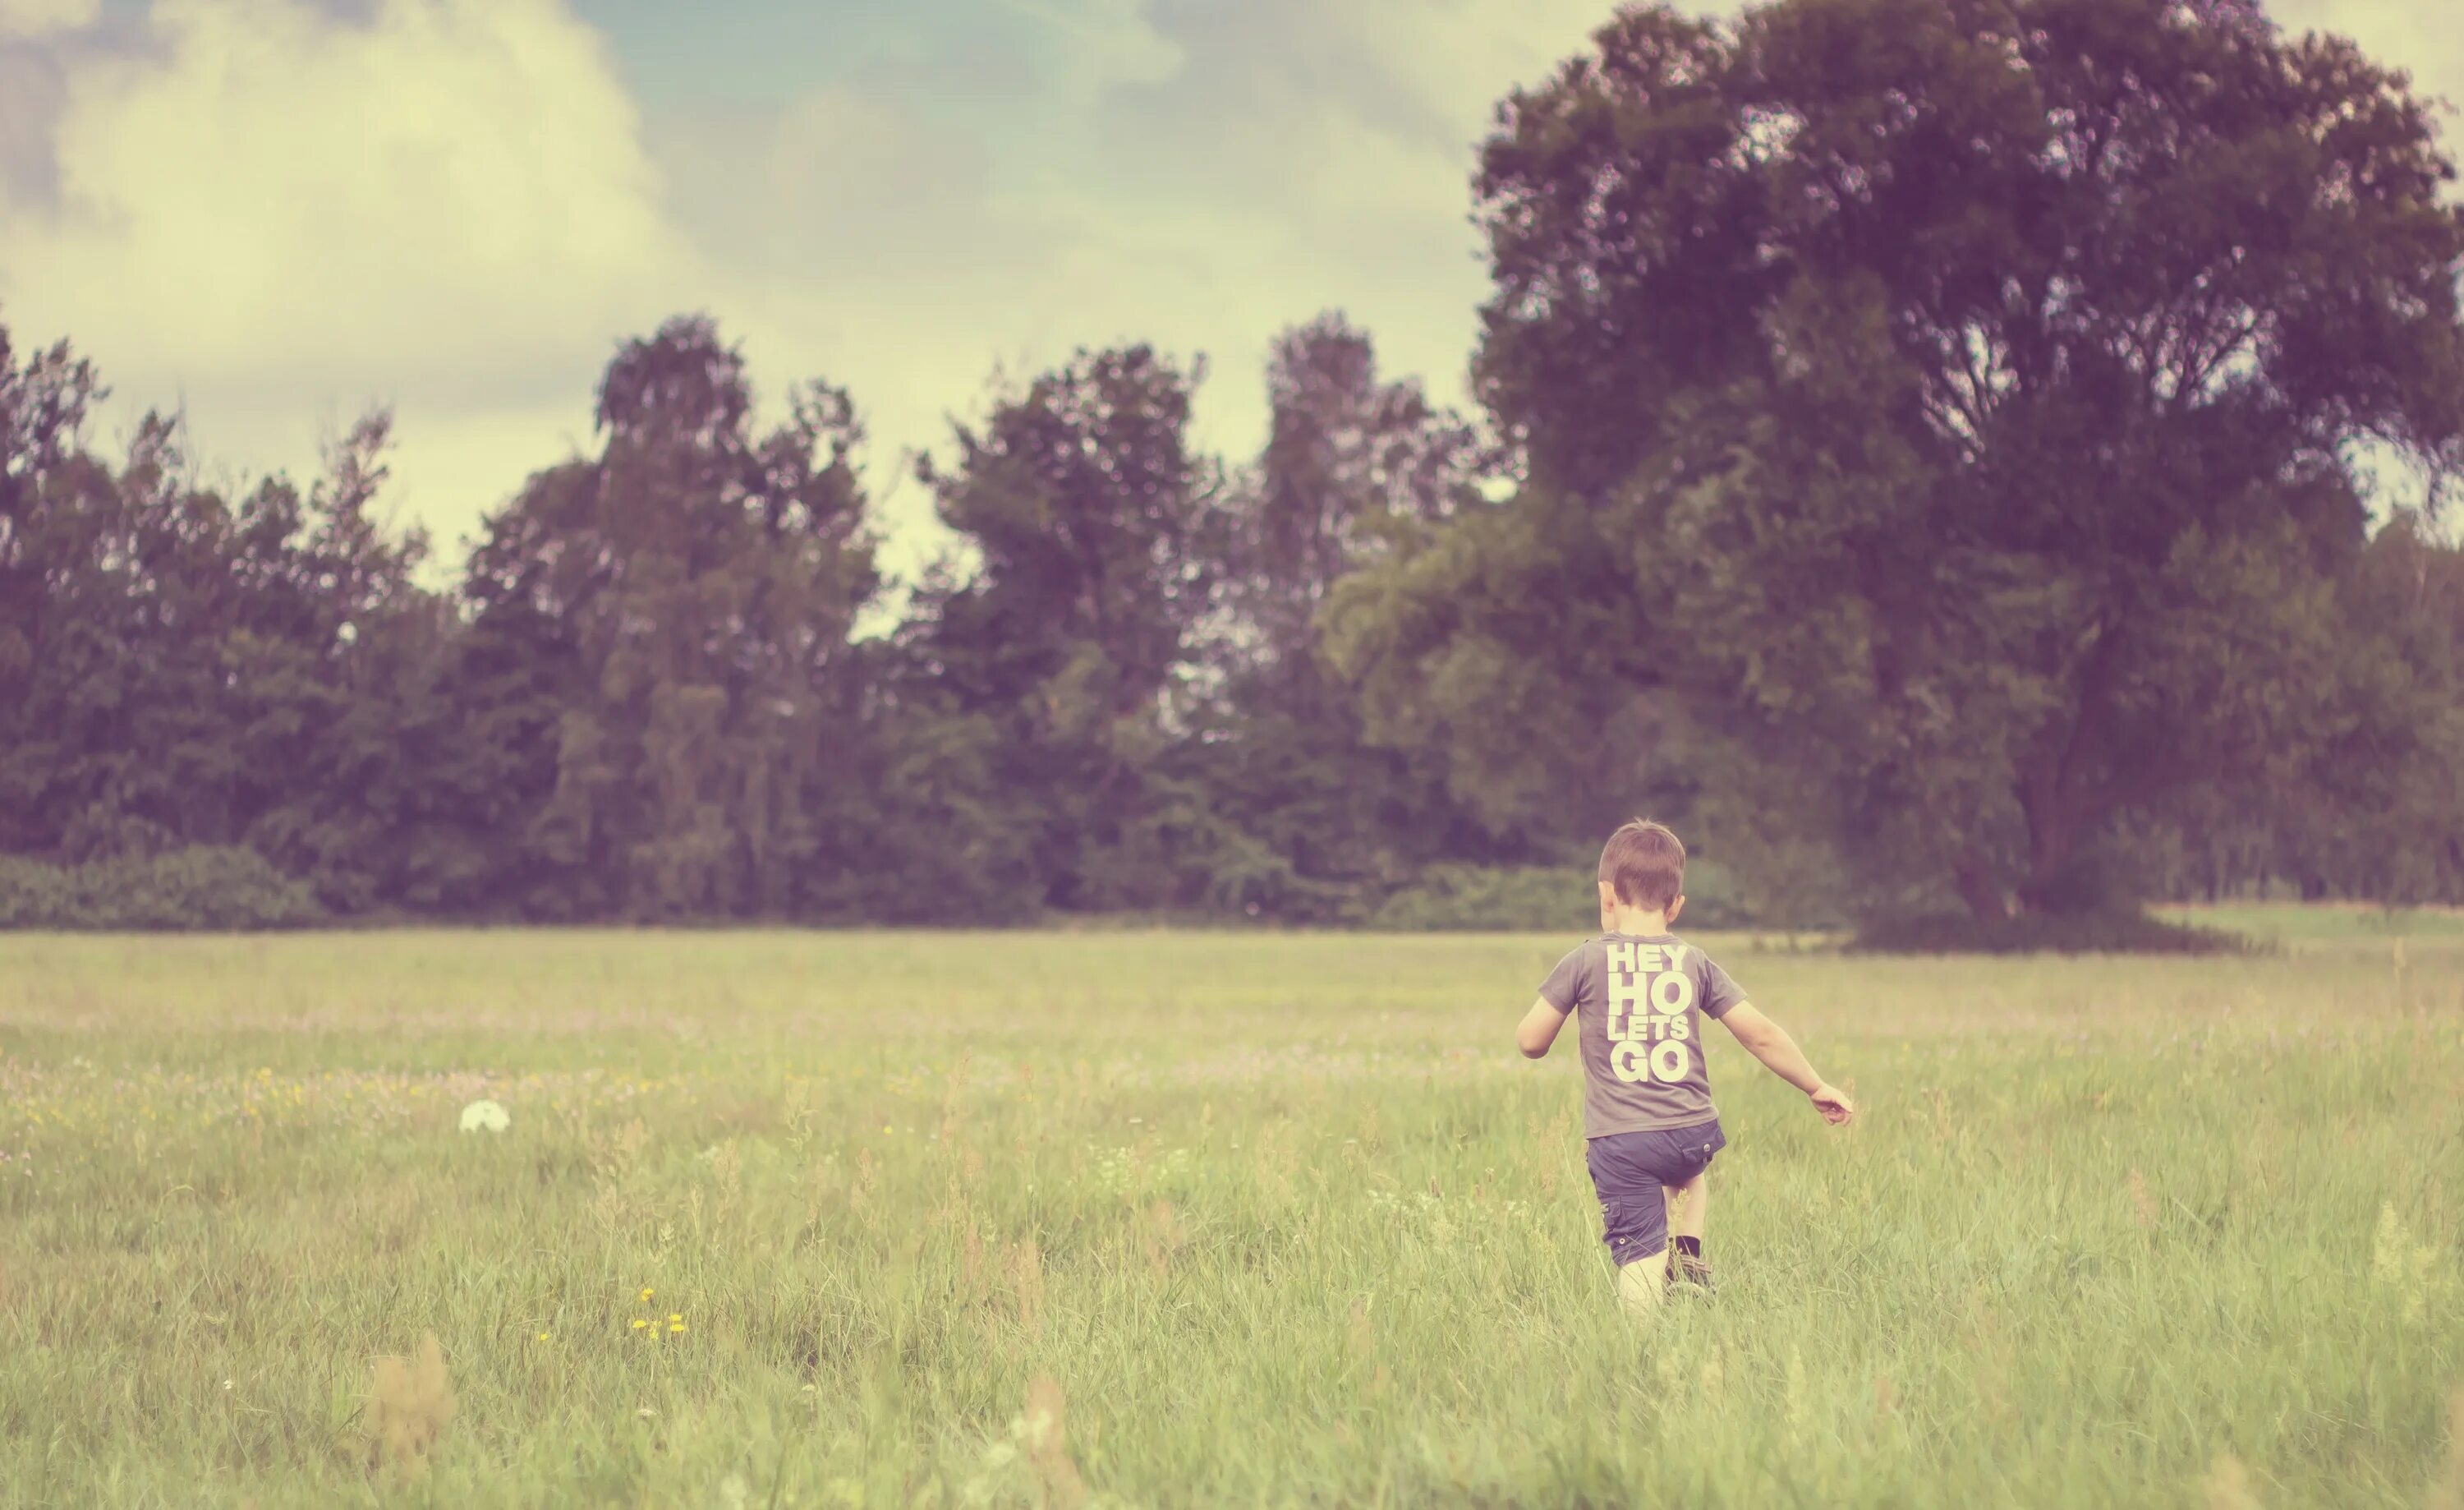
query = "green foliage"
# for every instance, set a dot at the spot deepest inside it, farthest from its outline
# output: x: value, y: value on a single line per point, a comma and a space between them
x: 1304, y: 818
x: 686, y: 601
x: 1093, y: 533
x: 1538, y: 899
x: 2110, y: 931
x: 214, y: 888
x: 1955, y: 413
x: 1472, y: 898
x: 2394, y: 932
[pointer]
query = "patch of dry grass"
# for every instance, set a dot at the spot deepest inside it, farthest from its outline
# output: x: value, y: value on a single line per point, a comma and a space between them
x: 410, y: 1406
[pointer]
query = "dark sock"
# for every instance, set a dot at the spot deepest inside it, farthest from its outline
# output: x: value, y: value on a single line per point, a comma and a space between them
x: 1691, y: 1247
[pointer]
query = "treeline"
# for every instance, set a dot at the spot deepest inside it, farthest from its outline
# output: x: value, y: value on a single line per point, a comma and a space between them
x: 1922, y: 453
x: 647, y: 697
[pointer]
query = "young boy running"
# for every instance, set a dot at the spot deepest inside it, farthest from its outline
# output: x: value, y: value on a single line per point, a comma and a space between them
x: 1648, y: 1119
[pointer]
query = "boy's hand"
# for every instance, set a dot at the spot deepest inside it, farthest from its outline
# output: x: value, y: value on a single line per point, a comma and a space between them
x: 1833, y: 1103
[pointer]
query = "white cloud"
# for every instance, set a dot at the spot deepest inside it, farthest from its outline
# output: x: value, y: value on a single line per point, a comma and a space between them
x: 44, y: 18
x: 280, y: 191
x: 272, y: 213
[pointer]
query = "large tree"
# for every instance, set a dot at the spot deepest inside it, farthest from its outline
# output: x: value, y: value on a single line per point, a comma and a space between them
x: 1950, y: 412
x: 681, y: 605
x: 1349, y: 454
x: 1316, y: 819
x: 177, y: 668
x: 1048, y: 666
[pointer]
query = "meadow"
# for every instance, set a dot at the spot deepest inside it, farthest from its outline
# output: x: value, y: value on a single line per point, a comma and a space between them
x: 1165, y: 1219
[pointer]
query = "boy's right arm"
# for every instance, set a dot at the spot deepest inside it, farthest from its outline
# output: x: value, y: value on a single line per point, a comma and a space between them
x: 1768, y: 1041
x: 1539, y: 1029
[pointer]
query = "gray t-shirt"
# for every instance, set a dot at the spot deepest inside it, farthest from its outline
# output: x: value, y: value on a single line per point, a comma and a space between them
x: 1640, y: 1004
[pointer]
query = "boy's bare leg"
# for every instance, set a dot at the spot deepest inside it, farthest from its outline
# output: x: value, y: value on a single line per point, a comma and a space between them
x: 1689, y: 1207
x: 1640, y: 1284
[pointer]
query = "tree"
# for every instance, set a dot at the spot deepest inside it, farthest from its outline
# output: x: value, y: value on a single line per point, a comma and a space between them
x: 179, y: 671
x: 1347, y: 454
x: 2381, y: 818
x: 1058, y: 657
x: 45, y: 531
x: 1949, y: 408
x: 1311, y: 819
x: 331, y: 677
x: 683, y: 602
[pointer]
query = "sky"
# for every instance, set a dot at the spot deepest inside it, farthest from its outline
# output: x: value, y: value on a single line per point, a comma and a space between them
x: 274, y: 215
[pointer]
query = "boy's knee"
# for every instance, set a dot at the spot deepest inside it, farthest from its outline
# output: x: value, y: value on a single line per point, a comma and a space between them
x: 1641, y: 1282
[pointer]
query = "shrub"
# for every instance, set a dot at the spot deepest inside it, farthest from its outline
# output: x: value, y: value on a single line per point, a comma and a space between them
x: 1530, y: 899
x: 208, y: 888
x: 2109, y: 931
x: 1472, y: 898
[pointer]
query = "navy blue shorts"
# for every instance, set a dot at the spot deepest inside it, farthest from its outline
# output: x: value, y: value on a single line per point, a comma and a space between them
x: 1631, y: 1172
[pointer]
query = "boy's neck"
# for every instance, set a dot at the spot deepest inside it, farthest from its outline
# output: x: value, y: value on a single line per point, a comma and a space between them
x: 1640, y: 924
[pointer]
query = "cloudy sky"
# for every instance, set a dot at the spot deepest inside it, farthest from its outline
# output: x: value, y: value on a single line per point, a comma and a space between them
x: 278, y: 213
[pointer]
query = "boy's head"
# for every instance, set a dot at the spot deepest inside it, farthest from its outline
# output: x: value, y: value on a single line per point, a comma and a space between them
x: 1642, y: 868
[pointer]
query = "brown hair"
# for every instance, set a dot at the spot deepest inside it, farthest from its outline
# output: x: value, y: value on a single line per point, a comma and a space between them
x: 1645, y: 863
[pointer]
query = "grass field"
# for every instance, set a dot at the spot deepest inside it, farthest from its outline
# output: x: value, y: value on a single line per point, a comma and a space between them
x: 1265, y: 1220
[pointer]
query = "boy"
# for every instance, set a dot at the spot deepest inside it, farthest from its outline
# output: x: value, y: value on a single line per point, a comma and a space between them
x: 1648, y: 1120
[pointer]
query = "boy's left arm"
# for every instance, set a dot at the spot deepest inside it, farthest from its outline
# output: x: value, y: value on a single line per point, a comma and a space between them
x: 1539, y: 1029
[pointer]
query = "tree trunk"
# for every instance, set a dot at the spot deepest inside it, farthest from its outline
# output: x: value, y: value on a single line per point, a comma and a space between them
x: 2052, y: 840
x: 1983, y: 893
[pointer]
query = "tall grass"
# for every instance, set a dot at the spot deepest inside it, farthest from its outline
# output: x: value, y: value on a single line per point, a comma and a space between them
x: 1204, y: 1219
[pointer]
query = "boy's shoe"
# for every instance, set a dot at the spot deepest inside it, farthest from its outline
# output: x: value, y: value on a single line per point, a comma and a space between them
x: 1684, y: 1269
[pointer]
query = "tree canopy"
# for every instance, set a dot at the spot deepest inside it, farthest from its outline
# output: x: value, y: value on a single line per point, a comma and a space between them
x: 1950, y: 413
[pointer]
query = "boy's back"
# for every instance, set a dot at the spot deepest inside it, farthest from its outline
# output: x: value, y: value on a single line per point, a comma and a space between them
x: 1638, y: 1002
